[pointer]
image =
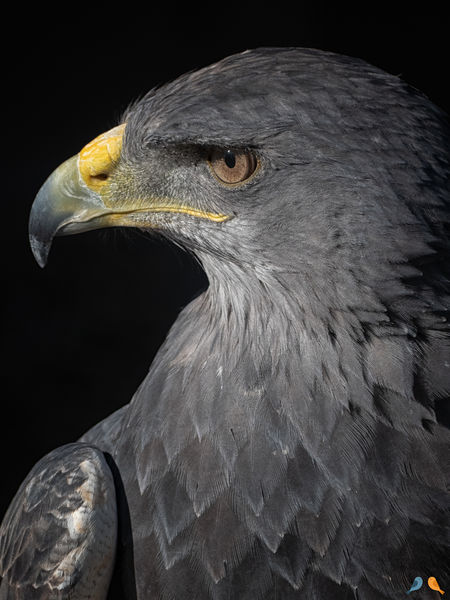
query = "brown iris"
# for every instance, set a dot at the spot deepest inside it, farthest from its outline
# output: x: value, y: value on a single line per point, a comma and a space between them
x: 231, y: 166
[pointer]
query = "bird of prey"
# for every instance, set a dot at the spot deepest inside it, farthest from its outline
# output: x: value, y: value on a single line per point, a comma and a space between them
x: 287, y: 442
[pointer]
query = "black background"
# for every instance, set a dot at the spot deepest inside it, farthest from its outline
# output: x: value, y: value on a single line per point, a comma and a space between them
x: 79, y: 336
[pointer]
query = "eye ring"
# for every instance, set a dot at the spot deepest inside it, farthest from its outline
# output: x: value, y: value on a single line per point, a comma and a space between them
x: 232, y: 167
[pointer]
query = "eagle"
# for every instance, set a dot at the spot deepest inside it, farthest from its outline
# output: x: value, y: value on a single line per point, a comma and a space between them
x: 288, y: 441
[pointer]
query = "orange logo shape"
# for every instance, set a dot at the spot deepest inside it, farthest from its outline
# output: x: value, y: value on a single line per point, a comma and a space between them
x: 433, y: 584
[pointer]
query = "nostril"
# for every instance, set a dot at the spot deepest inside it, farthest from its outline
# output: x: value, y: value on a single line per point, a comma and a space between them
x: 98, y: 159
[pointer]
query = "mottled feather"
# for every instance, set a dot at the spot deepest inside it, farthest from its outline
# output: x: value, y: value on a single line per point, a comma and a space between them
x: 58, y: 537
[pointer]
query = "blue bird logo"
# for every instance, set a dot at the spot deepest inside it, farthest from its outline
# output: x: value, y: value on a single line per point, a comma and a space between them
x: 417, y: 584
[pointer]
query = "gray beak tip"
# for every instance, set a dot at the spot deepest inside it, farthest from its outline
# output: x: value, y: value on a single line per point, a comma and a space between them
x: 40, y: 250
x: 62, y: 206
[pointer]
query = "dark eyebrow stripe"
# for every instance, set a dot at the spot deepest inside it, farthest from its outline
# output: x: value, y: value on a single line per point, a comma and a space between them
x: 200, y: 142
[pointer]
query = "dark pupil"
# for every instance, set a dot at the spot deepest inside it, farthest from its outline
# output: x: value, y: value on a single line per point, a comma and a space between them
x: 230, y: 159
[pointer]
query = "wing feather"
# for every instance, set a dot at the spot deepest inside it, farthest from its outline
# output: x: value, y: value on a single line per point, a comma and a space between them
x: 58, y: 537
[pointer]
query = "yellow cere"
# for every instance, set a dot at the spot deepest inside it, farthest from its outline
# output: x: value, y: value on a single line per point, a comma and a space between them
x: 97, y: 159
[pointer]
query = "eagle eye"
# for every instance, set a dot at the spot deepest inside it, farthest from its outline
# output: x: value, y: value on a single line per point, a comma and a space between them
x: 232, y: 166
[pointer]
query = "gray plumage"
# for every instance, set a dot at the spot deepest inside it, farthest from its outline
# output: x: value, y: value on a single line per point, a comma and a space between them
x: 58, y: 538
x: 286, y: 442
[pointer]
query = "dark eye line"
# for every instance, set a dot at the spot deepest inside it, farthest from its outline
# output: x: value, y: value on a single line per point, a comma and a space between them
x: 227, y: 148
x: 200, y: 145
x: 196, y: 150
x: 229, y: 152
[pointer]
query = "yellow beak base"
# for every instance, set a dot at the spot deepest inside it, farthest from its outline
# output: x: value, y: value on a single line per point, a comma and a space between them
x: 98, y: 158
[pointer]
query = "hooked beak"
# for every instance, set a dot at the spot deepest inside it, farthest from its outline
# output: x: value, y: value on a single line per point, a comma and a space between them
x: 72, y: 198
